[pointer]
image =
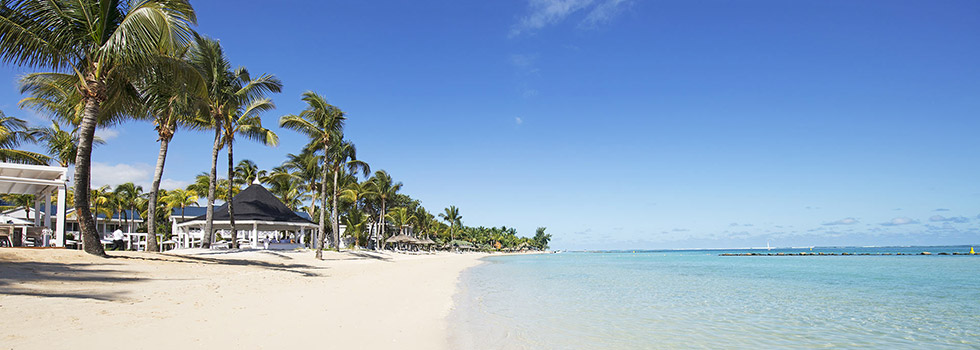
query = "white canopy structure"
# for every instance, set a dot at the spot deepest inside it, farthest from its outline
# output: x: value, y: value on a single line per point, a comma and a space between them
x: 43, y: 182
x: 256, y: 210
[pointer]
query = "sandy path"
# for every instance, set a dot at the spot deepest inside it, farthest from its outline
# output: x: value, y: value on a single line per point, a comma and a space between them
x: 60, y: 299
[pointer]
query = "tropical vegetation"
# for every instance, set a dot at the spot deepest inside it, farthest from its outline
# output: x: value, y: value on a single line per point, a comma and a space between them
x: 101, y: 62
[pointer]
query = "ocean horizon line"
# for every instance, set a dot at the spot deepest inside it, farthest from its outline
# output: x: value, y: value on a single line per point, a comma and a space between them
x: 759, y: 248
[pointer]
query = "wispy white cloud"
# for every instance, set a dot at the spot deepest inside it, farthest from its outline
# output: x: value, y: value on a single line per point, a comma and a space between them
x: 170, y: 184
x: 604, y: 12
x: 518, y: 120
x: 844, y: 221
x: 900, y: 221
x: 140, y: 174
x: 107, y: 134
x: 953, y: 219
x: 108, y: 174
x: 941, y: 209
x: 543, y: 13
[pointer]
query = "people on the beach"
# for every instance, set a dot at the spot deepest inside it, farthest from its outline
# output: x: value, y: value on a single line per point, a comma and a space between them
x: 117, y: 239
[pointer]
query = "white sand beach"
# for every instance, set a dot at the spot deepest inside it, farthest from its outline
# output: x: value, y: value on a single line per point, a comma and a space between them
x: 61, y: 299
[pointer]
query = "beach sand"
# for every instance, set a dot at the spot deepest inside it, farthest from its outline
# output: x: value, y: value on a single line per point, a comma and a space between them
x: 61, y: 299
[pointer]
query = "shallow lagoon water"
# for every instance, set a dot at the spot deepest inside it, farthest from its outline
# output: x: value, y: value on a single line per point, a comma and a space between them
x: 697, y: 299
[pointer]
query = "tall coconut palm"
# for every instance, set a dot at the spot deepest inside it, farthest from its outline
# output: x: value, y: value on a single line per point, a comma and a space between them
x: 342, y: 157
x: 105, y: 43
x: 451, y: 216
x: 173, y: 99
x: 180, y: 198
x: 306, y: 167
x: 13, y: 133
x: 322, y: 123
x: 230, y: 92
x: 249, y: 125
x: 383, y: 188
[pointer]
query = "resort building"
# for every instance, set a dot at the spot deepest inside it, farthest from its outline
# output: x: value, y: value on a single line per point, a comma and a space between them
x: 261, y: 219
x: 44, y: 183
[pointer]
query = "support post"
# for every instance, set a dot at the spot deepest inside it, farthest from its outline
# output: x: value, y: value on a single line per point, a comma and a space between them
x: 47, y: 210
x: 37, y: 210
x: 59, y: 229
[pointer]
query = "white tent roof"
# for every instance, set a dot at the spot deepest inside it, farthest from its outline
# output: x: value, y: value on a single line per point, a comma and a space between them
x: 31, y: 179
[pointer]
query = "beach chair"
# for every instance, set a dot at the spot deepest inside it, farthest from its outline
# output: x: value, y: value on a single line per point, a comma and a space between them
x: 172, y: 243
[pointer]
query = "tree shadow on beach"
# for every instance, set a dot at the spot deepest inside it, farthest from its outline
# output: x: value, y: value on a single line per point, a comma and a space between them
x: 29, y: 279
x: 356, y: 255
x: 300, y: 269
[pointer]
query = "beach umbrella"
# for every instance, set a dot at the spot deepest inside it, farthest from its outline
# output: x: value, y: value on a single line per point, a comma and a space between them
x: 402, y: 239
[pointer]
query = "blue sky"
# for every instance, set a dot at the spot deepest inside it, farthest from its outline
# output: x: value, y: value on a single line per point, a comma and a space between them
x: 625, y: 124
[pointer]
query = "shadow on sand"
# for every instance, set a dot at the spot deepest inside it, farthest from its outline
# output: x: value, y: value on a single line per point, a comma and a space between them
x: 300, y: 269
x: 14, y: 274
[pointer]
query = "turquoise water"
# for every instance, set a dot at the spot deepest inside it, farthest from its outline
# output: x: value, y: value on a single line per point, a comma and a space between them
x: 697, y: 299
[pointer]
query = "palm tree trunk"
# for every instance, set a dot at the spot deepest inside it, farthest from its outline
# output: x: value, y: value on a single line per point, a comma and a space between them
x: 321, y: 230
x: 231, y: 205
x: 335, y: 217
x: 382, y: 219
x: 151, y: 210
x: 91, y: 242
x: 212, y: 183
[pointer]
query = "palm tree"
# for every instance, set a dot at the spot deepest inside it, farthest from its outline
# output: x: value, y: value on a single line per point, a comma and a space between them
x: 105, y: 43
x: 127, y: 194
x: 288, y: 186
x: 230, y: 95
x: 117, y: 205
x: 249, y: 125
x: 321, y: 122
x: 61, y: 145
x: 382, y: 187
x: 180, y: 198
x: 174, y: 101
x: 246, y: 172
x: 343, y: 156
x: 101, y: 197
x: 306, y: 167
x: 14, y: 132
x: 424, y: 220
x: 401, y: 218
x: 355, y: 221
x: 354, y: 193
x: 451, y: 215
